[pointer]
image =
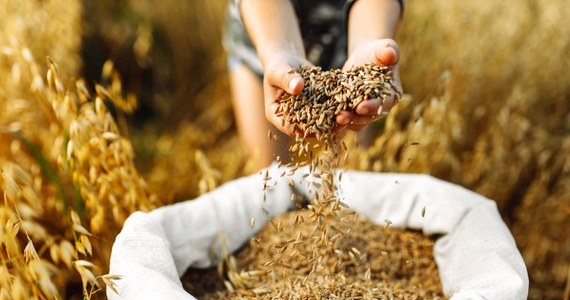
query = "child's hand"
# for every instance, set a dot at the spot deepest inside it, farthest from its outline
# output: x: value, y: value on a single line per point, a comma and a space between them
x: 281, y: 74
x: 384, y: 52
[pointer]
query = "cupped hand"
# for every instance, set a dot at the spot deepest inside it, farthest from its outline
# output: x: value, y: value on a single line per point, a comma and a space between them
x: 383, y: 52
x: 281, y: 75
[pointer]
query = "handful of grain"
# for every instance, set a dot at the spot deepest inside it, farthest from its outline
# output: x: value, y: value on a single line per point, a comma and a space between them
x: 326, y: 93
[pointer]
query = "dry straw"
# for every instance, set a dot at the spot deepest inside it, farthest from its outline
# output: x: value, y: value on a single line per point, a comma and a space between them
x: 64, y: 191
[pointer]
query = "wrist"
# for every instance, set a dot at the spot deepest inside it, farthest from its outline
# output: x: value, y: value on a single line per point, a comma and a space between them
x: 370, y: 20
x: 273, y: 28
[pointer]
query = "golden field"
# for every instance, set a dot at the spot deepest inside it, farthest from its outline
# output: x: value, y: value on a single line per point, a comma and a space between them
x: 150, y: 123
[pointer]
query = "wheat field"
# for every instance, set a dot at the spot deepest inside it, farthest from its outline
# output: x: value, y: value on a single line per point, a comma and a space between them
x: 109, y: 107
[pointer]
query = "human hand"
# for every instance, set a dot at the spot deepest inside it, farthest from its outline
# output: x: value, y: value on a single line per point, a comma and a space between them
x: 383, y: 52
x: 281, y: 76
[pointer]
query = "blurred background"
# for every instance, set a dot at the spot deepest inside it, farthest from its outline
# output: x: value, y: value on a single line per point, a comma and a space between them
x: 113, y: 106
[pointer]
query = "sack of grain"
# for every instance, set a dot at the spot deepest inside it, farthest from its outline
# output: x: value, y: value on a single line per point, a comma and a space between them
x: 475, y: 253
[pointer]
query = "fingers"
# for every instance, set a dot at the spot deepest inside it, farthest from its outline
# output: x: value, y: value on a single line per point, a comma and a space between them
x: 369, y: 107
x: 344, y: 118
x: 367, y: 111
x: 348, y: 119
x: 340, y: 130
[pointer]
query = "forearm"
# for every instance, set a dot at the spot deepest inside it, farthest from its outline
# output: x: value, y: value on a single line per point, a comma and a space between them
x: 273, y: 27
x: 371, y: 20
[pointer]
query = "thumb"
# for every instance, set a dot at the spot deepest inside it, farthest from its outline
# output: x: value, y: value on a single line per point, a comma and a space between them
x: 295, y: 85
x: 386, y: 52
x: 285, y: 77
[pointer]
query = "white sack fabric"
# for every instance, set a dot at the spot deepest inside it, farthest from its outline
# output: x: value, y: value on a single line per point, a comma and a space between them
x: 477, y: 256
